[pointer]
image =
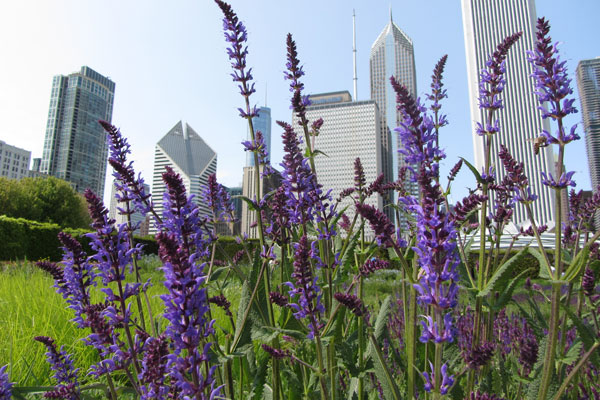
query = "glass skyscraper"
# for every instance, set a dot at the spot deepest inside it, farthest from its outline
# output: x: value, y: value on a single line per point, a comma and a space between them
x: 261, y: 123
x: 392, y: 54
x: 588, y: 84
x: 75, y: 148
x: 486, y: 23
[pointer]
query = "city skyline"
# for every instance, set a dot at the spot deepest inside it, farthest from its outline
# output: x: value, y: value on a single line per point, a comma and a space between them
x: 486, y: 24
x: 135, y: 44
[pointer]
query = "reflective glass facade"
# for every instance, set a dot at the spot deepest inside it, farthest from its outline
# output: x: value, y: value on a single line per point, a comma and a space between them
x: 75, y: 148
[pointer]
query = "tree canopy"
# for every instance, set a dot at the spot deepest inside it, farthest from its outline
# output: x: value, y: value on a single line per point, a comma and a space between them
x: 43, y: 199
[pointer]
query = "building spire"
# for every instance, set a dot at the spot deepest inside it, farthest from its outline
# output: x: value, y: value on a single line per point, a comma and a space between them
x: 391, y: 19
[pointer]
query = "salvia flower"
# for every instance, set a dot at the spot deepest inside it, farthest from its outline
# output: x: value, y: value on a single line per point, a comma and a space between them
x: 551, y: 79
x: 454, y: 170
x: 275, y: 353
x: 129, y: 187
x: 479, y: 356
x: 293, y: 73
x: 154, y: 369
x: 446, y: 383
x: 186, y: 309
x: 218, y: 199
x: 564, y: 180
x: 305, y: 197
x: 5, y: 385
x: 278, y: 298
x: 305, y: 287
x: 492, y: 82
x: 373, y: 264
x: 236, y: 35
x: 64, y: 372
x: 353, y: 303
x: 221, y: 301
x: 588, y: 282
x: 380, y: 223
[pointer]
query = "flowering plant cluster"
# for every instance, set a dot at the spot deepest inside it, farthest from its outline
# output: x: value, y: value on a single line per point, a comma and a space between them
x: 300, y: 317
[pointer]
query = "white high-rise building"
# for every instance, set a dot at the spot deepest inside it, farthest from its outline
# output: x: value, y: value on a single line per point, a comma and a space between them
x: 183, y: 150
x: 262, y: 123
x: 350, y: 130
x: 486, y: 23
x: 14, y: 162
x: 392, y: 54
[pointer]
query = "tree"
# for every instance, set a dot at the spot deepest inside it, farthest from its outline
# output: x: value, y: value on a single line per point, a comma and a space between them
x: 43, y: 199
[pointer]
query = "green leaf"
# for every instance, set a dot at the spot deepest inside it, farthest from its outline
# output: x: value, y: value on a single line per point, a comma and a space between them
x: 577, y: 264
x: 382, y: 318
x: 473, y: 170
x: 386, y: 379
x: 544, y: 267
x: 586, y: 333
x: 251, y: 205
x: 317, y: 152
x: 500, y: 278
x: 573, y: 354
x: 507, y: 293
x: 260, y: 377
x: 348, y: 256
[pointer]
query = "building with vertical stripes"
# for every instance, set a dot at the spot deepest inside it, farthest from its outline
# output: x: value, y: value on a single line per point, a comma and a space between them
x: 183, y: 150
x: 486, y: 23
x: 588, y: 84
x: 75, y: 147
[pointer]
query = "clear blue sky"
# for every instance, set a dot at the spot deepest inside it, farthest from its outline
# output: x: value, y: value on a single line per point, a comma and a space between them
x: 169, y: 63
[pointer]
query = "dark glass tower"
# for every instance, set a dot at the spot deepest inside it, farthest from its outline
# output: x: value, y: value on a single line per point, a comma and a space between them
x: 75, y: 148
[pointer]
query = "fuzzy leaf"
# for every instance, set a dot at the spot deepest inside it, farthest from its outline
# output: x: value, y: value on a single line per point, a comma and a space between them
x: 543, y: 272
x: 260, y: 377
x: 573, y: 353
x: 586, y: 333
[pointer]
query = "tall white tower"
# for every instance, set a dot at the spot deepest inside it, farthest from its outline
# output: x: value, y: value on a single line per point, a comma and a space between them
x: 486, y: 23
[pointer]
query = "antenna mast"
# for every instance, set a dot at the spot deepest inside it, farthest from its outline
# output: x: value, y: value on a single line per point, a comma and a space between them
x: 354, y: 52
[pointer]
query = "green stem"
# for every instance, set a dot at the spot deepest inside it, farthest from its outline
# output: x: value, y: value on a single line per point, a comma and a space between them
x: 410, y: 326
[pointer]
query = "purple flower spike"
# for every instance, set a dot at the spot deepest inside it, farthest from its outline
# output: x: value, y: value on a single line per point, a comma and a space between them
x: 353, y: 303
x: 186, y: 308
x: 380, y: 223
x: 64, y: 373
x: 437, y: 93
x: 588, y: 282
x: 236, y: 36
x: 219, y: 201
x: 305, y: 287
x: 294, y: 69
x: 492, y: 81
x: 129, y: 187
x: 154, y: 369
x: 221, y: 301
x: 5, y: 385
x: 277, y: 354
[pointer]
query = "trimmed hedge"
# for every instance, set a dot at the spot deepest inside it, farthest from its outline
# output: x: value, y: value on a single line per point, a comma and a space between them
x: 24, y: 239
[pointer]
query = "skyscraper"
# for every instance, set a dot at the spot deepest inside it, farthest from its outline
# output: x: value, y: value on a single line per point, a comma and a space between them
x: 392, y: 54
x: 183, y: 150
x: 350, y: 130
x: 75, y: 148
x: 261, y: 123
x: 486, y: 23
x: 588, y: 84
